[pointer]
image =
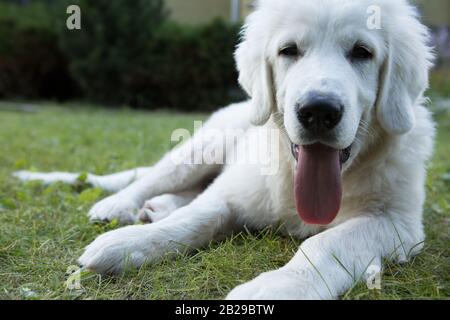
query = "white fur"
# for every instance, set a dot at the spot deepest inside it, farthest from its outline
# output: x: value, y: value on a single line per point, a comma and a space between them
x: 385, y: 120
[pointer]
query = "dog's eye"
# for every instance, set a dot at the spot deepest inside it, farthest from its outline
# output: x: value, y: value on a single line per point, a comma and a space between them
x: 290, y: 51
x: 360, y: 52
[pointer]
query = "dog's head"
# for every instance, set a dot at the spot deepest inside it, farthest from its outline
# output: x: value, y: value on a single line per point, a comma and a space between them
x: 330, y: 69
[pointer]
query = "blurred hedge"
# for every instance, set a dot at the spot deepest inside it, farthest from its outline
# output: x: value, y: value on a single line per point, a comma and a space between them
x: 126, y: 53
x: 31, y: 63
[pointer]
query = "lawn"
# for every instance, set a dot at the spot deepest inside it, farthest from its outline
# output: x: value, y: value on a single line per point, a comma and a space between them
x: 43, y: 229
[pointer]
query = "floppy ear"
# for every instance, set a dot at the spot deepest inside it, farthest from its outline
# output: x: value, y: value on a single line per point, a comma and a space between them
x: 403, y: 76
x: 256, y: 78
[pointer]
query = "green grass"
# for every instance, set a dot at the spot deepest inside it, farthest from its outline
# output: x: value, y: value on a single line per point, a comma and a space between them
x: 43, y: 229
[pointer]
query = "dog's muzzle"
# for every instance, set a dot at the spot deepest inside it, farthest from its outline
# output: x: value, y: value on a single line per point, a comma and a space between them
x: 344, y: 154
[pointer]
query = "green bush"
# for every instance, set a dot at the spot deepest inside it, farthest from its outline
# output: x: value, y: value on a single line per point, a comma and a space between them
x: 31, y: 63
x: 111, y: 45
x: 128, y: 54
x: 440, y: 83
x: 125, y: 53
x: 189, y: 68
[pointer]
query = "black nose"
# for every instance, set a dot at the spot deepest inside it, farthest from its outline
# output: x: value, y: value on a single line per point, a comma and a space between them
x: 320, y: 113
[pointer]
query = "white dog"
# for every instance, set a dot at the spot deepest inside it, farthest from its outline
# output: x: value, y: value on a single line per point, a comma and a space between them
x: 347, y: 99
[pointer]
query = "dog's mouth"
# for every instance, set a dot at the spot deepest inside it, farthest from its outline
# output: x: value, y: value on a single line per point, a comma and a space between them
x: 318, y: 182
x: 344, y: 154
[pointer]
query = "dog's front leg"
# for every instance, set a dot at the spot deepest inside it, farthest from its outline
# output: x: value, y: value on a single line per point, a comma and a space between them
x: 328, y: 264
x: 187, y: 229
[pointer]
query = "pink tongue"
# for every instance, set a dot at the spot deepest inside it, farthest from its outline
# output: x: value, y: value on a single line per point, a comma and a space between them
x: 318, y: 186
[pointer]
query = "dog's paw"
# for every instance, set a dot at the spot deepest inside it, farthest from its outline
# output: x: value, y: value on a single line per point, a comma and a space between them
x: 117, y: 250
x: 277, y: 285
x: 115, y: 207
x: 160, y: 207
